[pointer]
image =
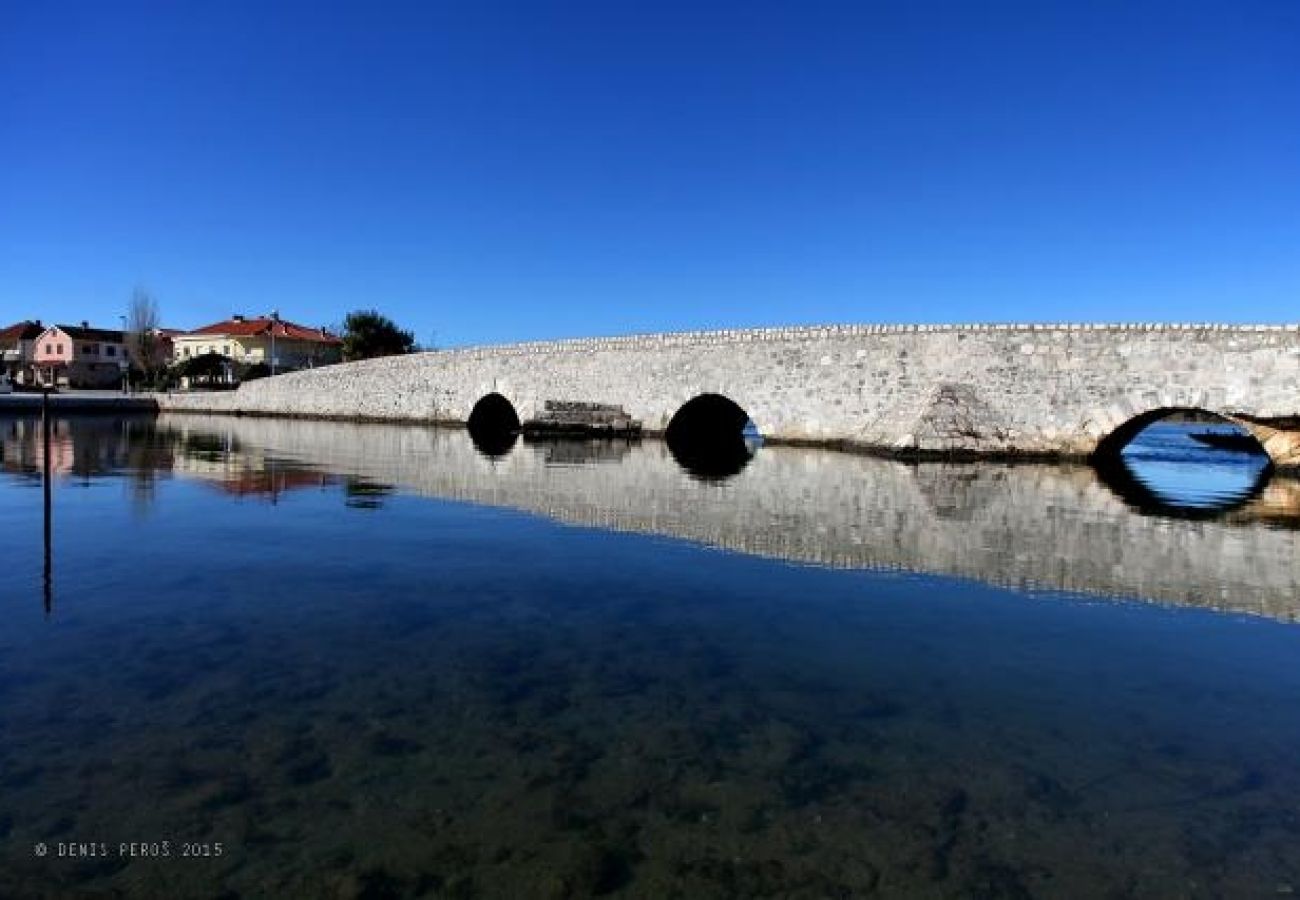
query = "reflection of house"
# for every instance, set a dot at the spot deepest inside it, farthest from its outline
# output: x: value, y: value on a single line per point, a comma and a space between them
x: 271, y: 484
x: 270, y: 341
x: 22, y: 447
x: 87, y: 448
x: 219, y: 461
x: 17, y: 349
x: 80, y: 356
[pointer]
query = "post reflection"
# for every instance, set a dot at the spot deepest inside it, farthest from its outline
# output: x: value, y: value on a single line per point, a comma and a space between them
x: 47, y: 496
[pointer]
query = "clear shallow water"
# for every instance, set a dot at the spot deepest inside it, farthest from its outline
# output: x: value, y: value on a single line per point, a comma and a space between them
x: 300, y: 640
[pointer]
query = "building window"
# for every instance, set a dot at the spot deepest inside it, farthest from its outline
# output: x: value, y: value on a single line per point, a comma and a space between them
x: 58, y: 349
x: 49, y: 348
x: 226, y: 350
x: 186, y: 352
x: 110, y: 351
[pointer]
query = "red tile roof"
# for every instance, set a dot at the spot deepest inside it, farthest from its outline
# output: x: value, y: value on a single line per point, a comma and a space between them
x: 265, y: 326
x: 21, y: 331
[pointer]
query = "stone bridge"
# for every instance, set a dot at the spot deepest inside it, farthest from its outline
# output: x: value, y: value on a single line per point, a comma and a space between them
x: 1058, y: 390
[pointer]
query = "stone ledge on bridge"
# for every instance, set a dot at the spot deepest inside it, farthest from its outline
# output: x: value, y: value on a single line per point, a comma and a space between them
x: 815, y: 332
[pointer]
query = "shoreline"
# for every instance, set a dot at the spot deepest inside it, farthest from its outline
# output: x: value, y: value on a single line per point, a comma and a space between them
x: 838, y: 445
x: 148, y: 404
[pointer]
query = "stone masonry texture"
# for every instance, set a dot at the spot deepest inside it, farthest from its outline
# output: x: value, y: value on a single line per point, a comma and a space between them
x: 1049, y: 389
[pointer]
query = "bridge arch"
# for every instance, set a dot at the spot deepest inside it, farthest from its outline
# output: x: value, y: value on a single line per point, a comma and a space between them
x: 707, y: 436
x: 493, y: 425
x: 707, y: 416
x: 1111, y: 445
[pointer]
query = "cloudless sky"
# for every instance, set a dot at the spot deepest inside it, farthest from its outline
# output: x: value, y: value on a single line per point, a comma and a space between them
x: 488, y: 171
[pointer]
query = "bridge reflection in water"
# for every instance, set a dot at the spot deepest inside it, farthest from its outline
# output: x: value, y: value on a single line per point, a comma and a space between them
x: 1113, y: 531
x: 1027, y: 526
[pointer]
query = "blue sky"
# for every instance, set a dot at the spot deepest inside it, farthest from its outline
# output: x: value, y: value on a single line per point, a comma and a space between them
x: 491, y: 171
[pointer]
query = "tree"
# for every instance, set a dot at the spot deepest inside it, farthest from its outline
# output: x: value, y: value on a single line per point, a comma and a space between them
x: 209, y: 369
x: 367, y: 334
x: 145, y: 351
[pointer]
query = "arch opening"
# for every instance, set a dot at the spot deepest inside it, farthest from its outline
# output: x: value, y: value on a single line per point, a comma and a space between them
x: 1183, y: 462
x: 493, y: 425
x: 712, y: 437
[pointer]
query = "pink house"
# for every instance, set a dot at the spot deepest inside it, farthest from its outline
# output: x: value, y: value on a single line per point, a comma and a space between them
x: 80, y: 356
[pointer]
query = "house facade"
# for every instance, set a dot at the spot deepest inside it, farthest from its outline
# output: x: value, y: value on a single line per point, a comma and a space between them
x: 80, y: 356
x: 280, y: 345
x: 18, y: 350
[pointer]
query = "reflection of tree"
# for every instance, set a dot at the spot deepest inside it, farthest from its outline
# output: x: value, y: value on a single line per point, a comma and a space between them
x: 206, y: 446
x: 148, y: 454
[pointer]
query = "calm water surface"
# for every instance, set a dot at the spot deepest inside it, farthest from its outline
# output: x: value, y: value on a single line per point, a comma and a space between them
x: 371, y: 661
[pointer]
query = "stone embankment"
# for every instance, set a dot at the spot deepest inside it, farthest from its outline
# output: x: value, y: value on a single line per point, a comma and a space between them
x: 78, y: 402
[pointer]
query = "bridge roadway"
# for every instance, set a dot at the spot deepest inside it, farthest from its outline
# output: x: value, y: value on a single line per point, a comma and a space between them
x: 1056, y: 390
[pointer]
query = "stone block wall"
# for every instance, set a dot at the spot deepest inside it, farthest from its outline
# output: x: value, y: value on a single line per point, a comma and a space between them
x: 1054, y: 389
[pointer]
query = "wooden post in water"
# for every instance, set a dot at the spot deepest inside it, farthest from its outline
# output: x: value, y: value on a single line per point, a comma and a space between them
x: 45, y: 463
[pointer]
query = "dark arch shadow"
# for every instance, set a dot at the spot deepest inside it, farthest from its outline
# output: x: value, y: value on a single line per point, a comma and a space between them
x: 493, y: 426
x: 1116, y: 472
x: 707, y: 437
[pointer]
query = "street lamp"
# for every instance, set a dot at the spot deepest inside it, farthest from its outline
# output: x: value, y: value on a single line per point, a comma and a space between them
x: 125, y: 364
x: 275, y: 317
